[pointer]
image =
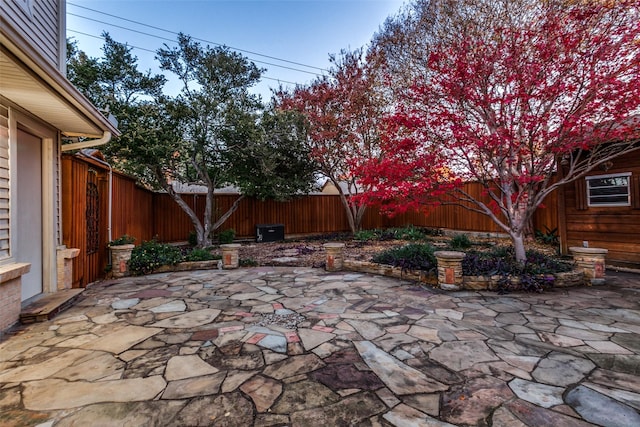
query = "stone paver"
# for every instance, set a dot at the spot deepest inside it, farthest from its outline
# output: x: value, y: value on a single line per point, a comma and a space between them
x: 276, y: 346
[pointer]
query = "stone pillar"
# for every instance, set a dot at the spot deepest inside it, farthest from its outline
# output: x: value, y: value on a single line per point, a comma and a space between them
x: 591, y: 262
x: 65, y: 266
x: 120, y: 256
x: 230, y: 257
x: 335, y: 256
x: 450, y: 269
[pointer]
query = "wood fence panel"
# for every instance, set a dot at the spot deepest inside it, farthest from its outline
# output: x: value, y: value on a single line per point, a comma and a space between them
x: 132, y: 209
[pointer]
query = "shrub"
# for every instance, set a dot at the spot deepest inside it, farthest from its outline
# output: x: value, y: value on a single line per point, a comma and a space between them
x: 548, y: 237
x: 460, y: 241
x: 365, y: 235
x: 125, y: 239
x: 411, y: 233
x: 150, y: 255
x: 248, y: 262
x: 200, y: 255
x: 227, y: 236
x: 410, y: 257
x: 193, y: 238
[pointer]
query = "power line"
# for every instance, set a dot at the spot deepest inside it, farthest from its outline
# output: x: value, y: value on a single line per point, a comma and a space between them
x: 153, y: 51
x: 195, y: 38
x: 173, y: 41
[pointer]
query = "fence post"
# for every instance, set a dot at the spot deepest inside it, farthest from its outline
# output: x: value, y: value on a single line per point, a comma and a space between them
x: 120, y: 256
x: 335, y: 256
x: 591, y: 262
x: 449, y: 269
x: 230, y: 258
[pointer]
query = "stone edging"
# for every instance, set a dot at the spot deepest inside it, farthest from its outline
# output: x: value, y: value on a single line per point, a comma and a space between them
x: 189, y: 266
x: 390, y: 271
x: 562, y: 280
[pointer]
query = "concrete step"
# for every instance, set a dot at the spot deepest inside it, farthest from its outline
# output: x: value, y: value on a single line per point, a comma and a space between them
x: 49, y: 305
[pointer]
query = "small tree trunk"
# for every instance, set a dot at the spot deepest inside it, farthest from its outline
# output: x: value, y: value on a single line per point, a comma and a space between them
x: 518, y: 246
x: 228, y: 213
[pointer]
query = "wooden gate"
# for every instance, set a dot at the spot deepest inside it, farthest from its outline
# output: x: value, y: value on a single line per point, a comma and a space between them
x: 84, y: 217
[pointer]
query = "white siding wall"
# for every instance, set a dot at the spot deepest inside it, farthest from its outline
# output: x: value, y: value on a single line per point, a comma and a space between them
x: 40, y: 22
x: 5, y: 237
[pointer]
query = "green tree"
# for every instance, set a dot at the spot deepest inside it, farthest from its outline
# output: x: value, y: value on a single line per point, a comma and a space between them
x: 213, y: 133
x: 228, y: 137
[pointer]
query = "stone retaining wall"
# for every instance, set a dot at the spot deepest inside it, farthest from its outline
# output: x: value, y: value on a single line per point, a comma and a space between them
x: 562, y: 280
x: 389, y: 271
x: 190, y: 265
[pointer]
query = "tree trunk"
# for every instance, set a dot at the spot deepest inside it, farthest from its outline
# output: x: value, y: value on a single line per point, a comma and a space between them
x: 201, y: 234
x: 228, y: 213
x: 518, y: 245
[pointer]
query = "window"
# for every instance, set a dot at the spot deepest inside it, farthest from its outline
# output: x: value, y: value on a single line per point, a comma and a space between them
x: 609, y: 190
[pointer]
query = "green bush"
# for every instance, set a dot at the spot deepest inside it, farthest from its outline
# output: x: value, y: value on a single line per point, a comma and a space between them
x: 411, y: 233
x: 150, y: 255
x: 247, y: 262
x: 193, y: 238
x: 413, y: 256
x: 125, y: 239
x: 201, y: 255
x: 227, y: 236
x: 460, y: 241
x: 365, y: 235
x: 548, y: 237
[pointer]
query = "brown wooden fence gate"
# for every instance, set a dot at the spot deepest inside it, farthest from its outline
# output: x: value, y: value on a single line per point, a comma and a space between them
x: 84, y: 210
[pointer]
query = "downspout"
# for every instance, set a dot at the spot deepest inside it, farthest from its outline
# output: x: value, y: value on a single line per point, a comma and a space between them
x: 110, y: 191
x: 106, y: 137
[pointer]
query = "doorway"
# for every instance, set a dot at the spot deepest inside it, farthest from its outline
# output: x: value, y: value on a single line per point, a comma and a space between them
x: 28, y: 227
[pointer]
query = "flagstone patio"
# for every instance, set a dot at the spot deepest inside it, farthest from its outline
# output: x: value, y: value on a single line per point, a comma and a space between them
x: 288, y: 346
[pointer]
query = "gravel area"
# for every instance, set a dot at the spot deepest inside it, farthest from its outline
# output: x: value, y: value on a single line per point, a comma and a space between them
x: 310, y: 253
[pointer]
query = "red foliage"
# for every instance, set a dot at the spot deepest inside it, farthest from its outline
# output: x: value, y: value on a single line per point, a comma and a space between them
x: 343, y: 113
x: 502, y: 108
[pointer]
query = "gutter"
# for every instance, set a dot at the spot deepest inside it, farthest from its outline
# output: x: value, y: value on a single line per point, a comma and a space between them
x: 106, y: 137
x: 110, y: 196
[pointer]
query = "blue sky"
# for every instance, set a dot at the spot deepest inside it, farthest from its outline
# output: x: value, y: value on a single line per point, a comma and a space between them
x: 301, y: 31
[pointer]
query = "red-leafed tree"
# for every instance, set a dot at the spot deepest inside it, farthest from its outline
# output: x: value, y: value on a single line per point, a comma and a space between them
x: 343, y: 112
x: 506, y: 105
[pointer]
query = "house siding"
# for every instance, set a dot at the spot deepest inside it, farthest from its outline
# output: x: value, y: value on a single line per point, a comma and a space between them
x: 614, y: 228
x: 5, y: 237
x: 39, y: 22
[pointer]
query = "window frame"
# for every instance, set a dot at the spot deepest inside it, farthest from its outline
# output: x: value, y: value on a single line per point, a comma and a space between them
x: 588, y: 180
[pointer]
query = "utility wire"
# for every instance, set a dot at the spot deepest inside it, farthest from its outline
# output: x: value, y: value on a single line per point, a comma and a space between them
x: 195, y: 38
x: 173, y: 41
x: 153, y: 51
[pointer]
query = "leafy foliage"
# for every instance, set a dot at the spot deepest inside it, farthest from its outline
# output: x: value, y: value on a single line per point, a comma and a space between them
x: 460, y: 241
x: 125, y: 239
x: 342, y: 112
x: 505, y: 93
x: 247, y: 262
x: 548, y: 237
x: 409, y: 257
x: 150, y: 255
x: 199, y: 254
x: 214, y: 133
x: 404, y: 233
x: 226, y: 236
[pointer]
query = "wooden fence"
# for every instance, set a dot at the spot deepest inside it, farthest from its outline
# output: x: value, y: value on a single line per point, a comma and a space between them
x: 144, y: 214
x: 316, y: 214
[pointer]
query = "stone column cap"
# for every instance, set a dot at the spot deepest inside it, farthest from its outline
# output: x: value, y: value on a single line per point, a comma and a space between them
x: 122, y: 247
x: 333, y: 245
x: 589, y: 251
x: 230, y: 246
x: 449, y: 254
